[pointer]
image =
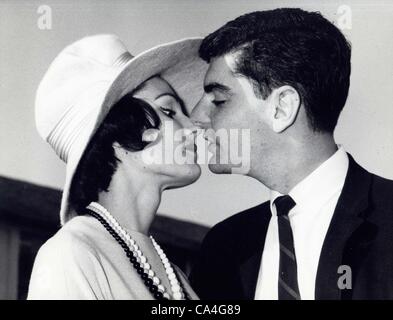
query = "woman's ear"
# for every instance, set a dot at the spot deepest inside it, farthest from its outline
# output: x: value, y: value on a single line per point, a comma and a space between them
x: 150, y: 135
x: 286, y: 101
x: 120, y: 152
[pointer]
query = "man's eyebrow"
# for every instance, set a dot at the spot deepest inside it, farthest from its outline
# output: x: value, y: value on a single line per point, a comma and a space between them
x: 216, y: 86
x: 177, y: 98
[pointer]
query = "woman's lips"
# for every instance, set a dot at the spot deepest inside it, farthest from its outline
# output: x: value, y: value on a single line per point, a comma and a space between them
x: 192, y: 148
x: 209, y: 136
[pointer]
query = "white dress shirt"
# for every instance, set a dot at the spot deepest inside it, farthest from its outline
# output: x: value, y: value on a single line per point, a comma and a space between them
x: 316, y: 198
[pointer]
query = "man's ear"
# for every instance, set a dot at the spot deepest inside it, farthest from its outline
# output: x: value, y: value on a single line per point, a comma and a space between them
x: 286, y: 105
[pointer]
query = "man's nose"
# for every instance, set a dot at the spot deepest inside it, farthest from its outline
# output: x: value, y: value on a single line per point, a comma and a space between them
x: 200, y: 115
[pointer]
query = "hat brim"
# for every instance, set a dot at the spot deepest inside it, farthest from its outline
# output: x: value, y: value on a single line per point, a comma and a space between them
x: 176, y: 62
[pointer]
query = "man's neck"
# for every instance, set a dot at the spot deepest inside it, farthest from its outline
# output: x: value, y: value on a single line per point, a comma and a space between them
x: 297, y: 162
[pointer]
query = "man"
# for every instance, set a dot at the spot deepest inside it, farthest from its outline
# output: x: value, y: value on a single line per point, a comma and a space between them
x: 327, y: 231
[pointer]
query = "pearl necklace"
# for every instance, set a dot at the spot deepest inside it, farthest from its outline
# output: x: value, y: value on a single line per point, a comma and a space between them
x: 178, y: 293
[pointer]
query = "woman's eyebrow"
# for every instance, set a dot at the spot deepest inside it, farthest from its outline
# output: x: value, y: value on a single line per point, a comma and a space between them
x: 167, y: 94
x: 177, y: 98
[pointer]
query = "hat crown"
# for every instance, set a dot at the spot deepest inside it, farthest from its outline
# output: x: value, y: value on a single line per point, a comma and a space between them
x: 72, y: 90
x: 106, y: 49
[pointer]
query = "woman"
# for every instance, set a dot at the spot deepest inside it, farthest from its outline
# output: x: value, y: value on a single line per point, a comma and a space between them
x: 110, y: 117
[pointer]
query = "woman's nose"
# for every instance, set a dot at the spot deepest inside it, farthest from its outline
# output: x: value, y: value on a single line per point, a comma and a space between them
x: 186, y: 123
x: 200, y: 115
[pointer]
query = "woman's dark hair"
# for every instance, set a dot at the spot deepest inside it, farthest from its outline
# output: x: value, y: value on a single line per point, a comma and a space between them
x: 124, y: 124
x: 289, y: 46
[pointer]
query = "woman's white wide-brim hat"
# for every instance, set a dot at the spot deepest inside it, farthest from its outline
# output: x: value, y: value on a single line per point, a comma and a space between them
x: 90, y: 75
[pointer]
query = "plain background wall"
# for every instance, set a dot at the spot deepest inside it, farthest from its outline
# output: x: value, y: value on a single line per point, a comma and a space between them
x: 365, y: 126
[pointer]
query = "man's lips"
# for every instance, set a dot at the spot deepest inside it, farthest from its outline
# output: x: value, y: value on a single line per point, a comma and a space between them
x: 212, y: 147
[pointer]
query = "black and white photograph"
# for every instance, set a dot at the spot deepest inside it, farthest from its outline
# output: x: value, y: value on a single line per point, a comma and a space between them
x: 196, y: 150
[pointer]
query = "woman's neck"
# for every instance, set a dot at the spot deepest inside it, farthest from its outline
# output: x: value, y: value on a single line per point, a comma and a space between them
x: 133, y: 203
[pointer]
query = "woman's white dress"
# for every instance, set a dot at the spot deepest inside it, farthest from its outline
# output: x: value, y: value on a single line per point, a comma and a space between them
x: 83, y: 261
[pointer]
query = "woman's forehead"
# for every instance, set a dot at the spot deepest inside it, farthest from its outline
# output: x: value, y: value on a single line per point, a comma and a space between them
x: 154, y: 87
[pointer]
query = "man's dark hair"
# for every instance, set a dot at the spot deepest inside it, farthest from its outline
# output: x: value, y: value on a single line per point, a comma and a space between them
x: 289, y: 47
x: 124, y: 124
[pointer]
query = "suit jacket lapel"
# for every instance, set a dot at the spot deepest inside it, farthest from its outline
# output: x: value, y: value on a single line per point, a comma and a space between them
x: 346, y: 219
x: 250, y: 261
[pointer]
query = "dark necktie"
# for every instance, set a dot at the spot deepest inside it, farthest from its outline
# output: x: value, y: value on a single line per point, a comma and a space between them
x: 288, y: 288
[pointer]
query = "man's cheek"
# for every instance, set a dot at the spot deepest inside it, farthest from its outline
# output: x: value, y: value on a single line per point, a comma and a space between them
x: 225, y: 120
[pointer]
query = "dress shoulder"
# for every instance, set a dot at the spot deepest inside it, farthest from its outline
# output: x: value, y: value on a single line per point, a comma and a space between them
x: 67, y: 266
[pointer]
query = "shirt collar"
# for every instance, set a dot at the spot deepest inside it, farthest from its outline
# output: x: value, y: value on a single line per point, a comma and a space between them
x: 320, y: 185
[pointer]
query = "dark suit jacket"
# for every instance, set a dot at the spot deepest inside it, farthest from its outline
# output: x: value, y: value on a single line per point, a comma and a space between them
x: 360, y: 235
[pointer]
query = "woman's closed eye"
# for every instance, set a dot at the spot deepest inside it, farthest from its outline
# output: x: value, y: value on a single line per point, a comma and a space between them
x: 168, y: 112
x: 169, y: 105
